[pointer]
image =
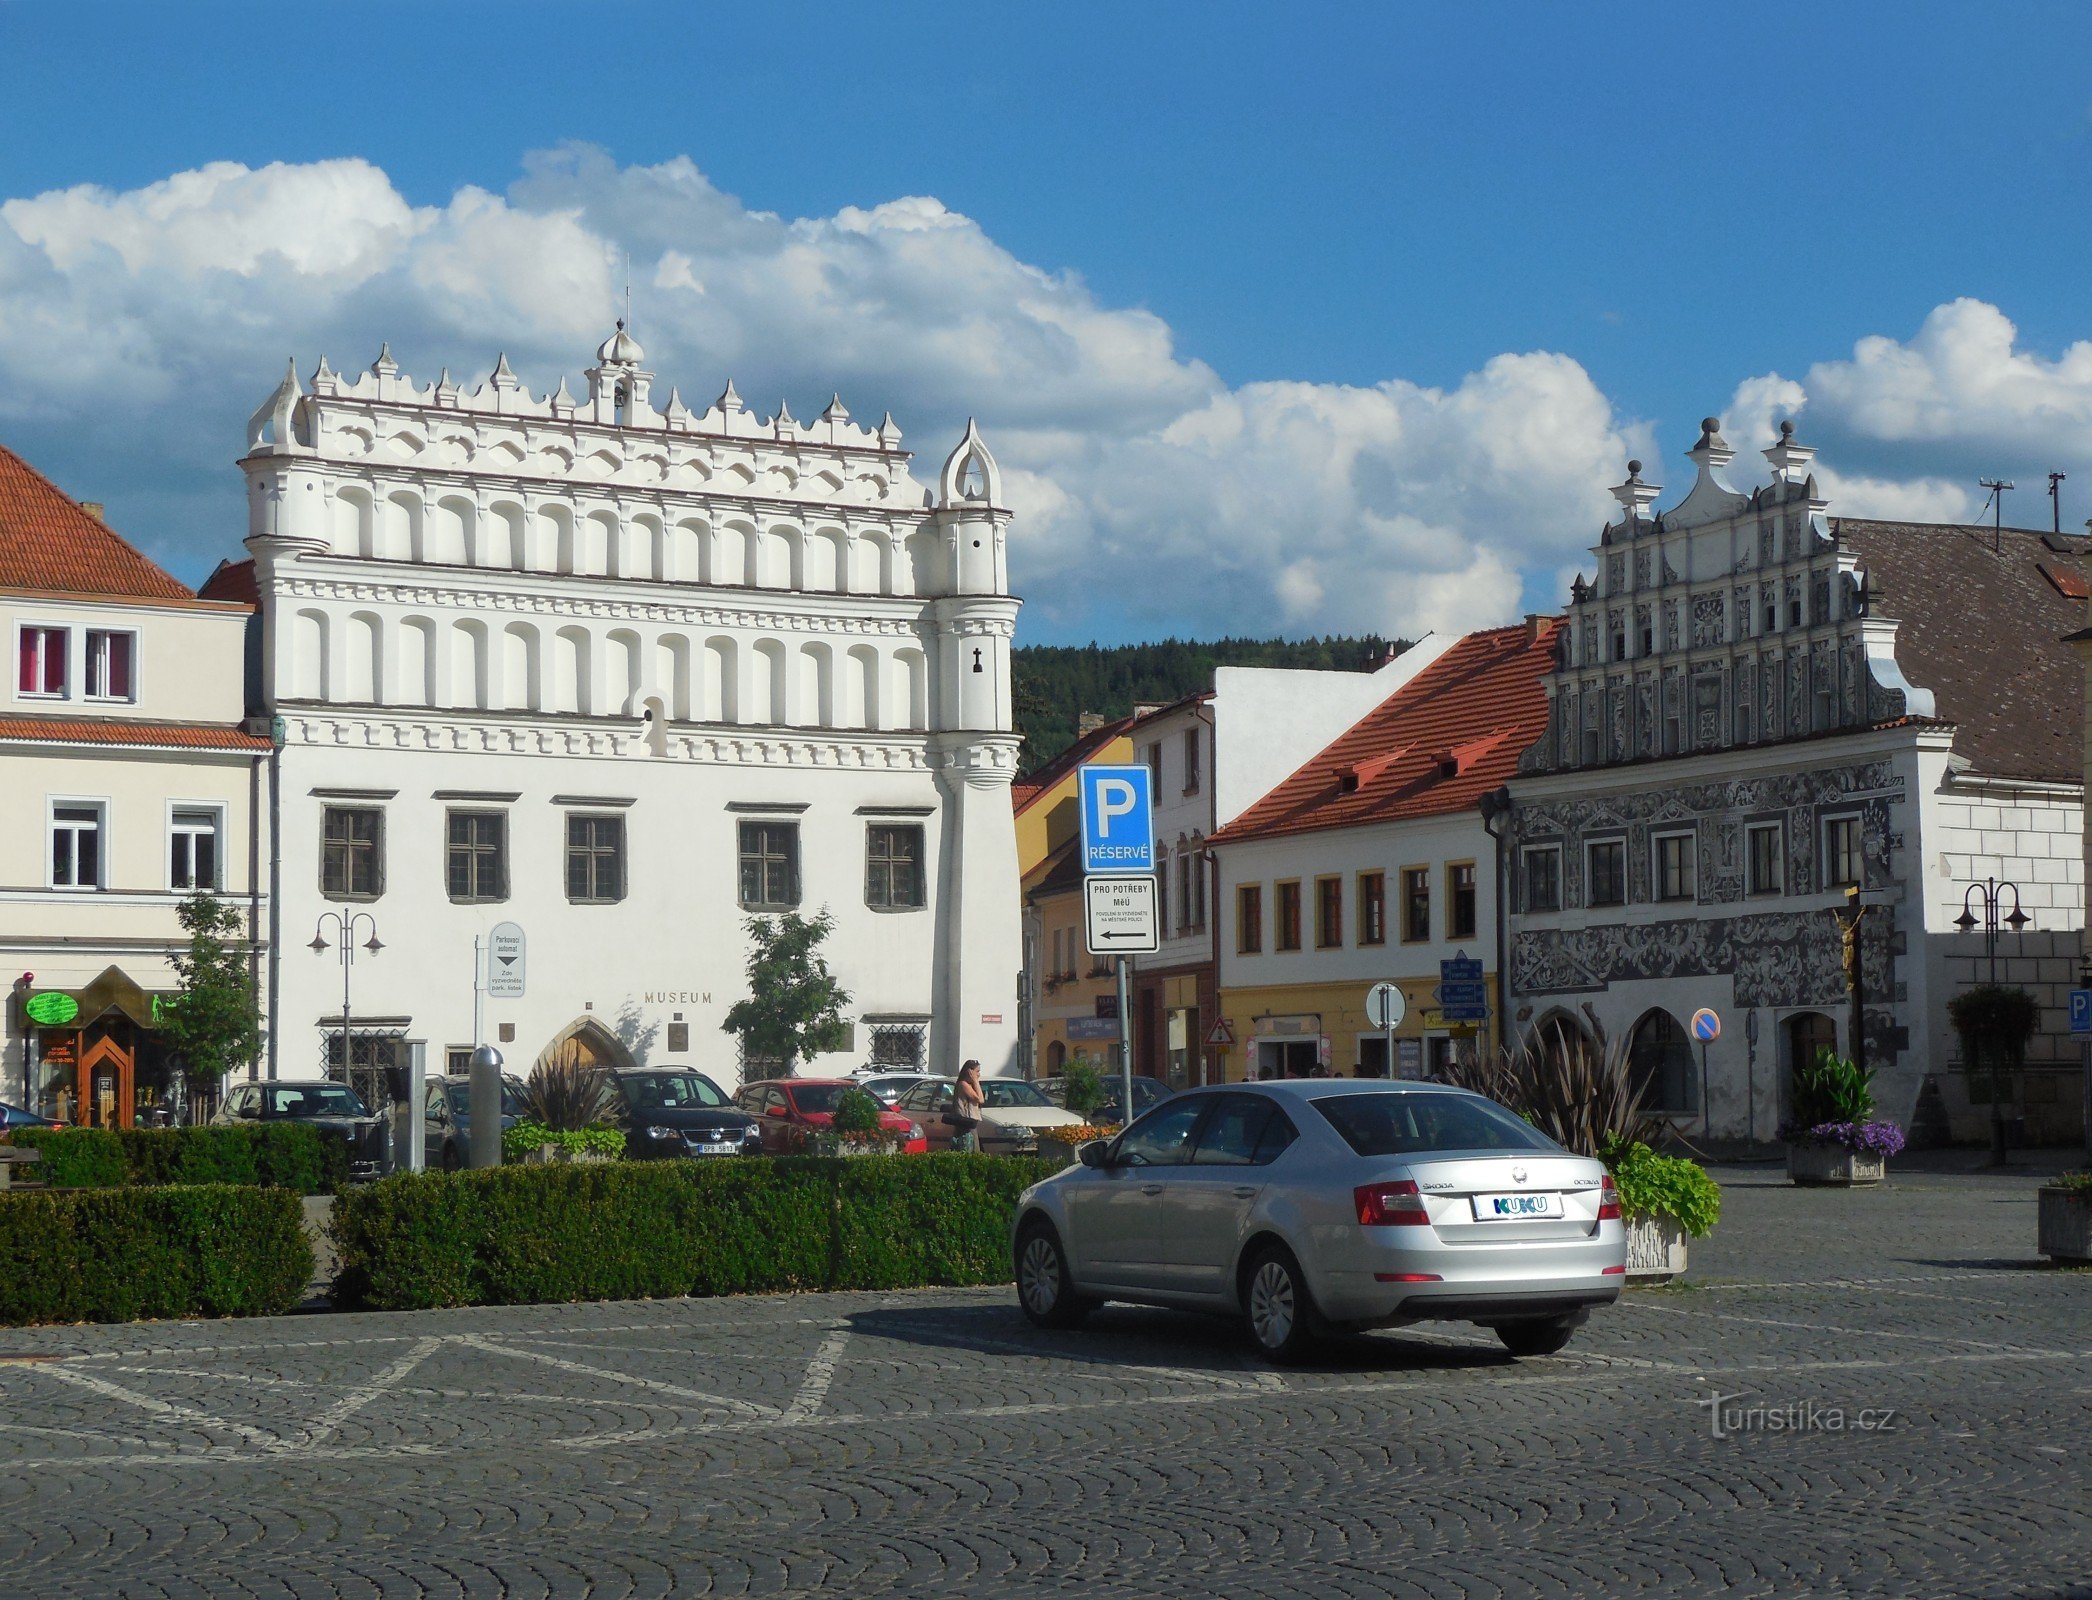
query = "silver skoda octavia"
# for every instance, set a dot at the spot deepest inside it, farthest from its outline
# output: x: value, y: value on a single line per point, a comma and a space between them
x: 1315, y: 1205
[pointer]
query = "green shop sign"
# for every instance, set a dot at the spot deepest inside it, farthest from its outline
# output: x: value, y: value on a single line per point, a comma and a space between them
x: 51, y: 1010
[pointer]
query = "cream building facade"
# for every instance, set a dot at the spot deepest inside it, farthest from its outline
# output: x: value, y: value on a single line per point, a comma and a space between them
x: 624, y: 675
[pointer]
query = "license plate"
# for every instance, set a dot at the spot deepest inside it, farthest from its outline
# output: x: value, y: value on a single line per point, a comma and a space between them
x: 723, y: 1149
x: 1517, y: 1207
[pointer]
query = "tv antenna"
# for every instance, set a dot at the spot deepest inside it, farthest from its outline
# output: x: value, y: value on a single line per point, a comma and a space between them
x: 1997, y: 488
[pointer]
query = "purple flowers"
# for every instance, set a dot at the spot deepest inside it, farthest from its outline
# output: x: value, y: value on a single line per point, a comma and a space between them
x: 1862, y: 1138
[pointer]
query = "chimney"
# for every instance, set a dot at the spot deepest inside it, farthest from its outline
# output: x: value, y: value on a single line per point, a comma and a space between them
x: 1534, y: 624
x: 1087, y: 723
x: 95, y: 509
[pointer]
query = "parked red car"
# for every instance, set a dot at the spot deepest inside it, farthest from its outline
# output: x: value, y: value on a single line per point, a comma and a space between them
x: 790, y: 1109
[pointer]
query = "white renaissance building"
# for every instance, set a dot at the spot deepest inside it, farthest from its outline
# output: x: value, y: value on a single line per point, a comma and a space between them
x: 626, y: 675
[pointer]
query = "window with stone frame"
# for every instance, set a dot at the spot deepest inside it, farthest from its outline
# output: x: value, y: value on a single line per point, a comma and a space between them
x: 1542, y: 868
x: 1416, y: 905
x: 1329, y: 913
x: 1285, y: 933
x: 595, y: 858
x: 769, y: 866
x: 1372, y: 908
x: 1249, y: 919
x: 1460, y: 900
x: 1605, y: 872
x: 1843, y: 862
x: 893, y: 867
x: 1676, y: 864
x: 898, y: 1046
x: 374, y: 1054
x: 352, y: 852
x: 475, y: 867
x: 1765, y: 858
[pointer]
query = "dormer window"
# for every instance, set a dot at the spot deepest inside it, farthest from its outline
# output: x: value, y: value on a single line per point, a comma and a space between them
x: 109, y: 657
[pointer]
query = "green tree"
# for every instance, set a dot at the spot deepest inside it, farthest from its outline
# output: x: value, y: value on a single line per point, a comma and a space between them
x: 214, y: 1023
x: 794, y: 1007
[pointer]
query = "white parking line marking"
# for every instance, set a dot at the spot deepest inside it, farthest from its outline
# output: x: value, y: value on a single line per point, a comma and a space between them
x: 163, y: 1408
x: 1825, y: 1327
x: 820, y: 1373
x: 492, y: 1347
x: 356, y: 1399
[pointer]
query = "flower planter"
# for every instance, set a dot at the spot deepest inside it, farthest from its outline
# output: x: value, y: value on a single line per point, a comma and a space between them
x: 553, y: 1155
x: 1831, y: 1166
x: 1655, y: 1249
x: 2065, y: 1224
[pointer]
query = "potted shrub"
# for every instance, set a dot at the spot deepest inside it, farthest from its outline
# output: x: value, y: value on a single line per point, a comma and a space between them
x: 532, y: 1144
x: 854, y: 1129
x: 1833, y: 1138
x: 1664, y: 1200
x: 2065, y: 1221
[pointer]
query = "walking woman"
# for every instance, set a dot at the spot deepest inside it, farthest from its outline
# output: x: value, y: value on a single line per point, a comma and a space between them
x: 967, y: 1100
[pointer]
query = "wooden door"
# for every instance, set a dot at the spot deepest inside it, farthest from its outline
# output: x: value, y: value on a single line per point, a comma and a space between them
x: 108, y: 1097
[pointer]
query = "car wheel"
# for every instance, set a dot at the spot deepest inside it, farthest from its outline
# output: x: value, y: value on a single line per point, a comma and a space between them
x: 1276, y: 1305
x: 1043, y: 1286
x: 1542, y: 1337
x: 451, y: 1159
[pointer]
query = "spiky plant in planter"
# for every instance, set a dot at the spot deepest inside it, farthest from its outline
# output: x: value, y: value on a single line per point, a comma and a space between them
x: 1832, y: 1135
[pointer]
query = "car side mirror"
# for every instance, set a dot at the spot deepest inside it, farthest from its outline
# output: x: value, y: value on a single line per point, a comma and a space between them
x: 1097, y: 1153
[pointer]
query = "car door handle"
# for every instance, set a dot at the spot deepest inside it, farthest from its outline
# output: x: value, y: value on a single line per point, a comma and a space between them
x: 1245, y: 1193
x: 1151, y: 1188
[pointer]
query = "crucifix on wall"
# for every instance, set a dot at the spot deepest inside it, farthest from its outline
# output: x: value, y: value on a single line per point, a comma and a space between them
x: 1849, y: 921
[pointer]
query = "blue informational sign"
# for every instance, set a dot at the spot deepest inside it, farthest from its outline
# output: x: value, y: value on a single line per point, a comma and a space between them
x: 1118, y: 820
x: 1462, y: 994
x: 2081, y: 1011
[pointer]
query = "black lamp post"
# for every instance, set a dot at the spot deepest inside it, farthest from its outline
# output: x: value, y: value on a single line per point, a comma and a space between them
x: 345, y: 927
x: 1992, y: 893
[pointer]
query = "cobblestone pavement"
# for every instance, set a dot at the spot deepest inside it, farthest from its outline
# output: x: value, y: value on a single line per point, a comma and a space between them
x: 861, y: 1445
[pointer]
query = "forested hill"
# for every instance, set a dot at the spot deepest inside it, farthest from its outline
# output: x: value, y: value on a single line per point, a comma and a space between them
x: 1054, y: 684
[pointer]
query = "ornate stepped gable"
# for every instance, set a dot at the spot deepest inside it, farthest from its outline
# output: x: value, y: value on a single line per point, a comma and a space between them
x: 1732, y: 620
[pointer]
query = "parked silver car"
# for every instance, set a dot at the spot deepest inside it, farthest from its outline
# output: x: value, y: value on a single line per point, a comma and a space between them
x: 1327, y: 1204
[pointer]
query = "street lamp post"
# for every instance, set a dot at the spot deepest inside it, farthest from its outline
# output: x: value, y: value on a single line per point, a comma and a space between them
x: 345, y: 923
x: 1991, y: 893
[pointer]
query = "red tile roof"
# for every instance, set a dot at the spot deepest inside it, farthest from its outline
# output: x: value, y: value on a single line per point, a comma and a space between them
x: 50, y: 544
x: 1437, y: 745
x: 233, y: 580
x: 169, y: 735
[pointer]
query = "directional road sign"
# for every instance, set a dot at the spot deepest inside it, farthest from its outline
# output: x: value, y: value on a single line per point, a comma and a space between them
x: 1706, y: 1026
x: 505, y: 962
x: 1385, y: 1007
x: 1462, y: 995
x: 1118, y: 819
x: 1120, y: 915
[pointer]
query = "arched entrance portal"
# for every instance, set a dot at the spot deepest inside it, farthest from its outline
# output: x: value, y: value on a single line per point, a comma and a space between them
x: 584, y: 1042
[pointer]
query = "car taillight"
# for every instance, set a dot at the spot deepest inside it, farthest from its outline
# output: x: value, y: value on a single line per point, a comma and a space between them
x: 1608, y: 1202
x: 1390, y: 1205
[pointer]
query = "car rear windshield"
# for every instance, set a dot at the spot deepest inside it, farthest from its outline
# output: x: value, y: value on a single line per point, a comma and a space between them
x: 1416, y: 1124
x: 672, y: 1091
x: 314, y: 1100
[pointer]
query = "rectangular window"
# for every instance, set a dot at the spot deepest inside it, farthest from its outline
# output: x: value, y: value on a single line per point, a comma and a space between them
x: 1155, y: 769
x: 76, y: 846
x: 1372, y: 908
x: 352, y: 853
x: 893, y: 867
x: 476, y: 855
x: 1249, y: 918
x: 1416, y: 905
x: 1841, y: 852
x: 1460, y: 900
x: 457, y: 1062
x: 42, y: 655
x: 1191, y: 761
x: 1286, y: 934
x: 1605, y: 865
x: 769, y: 866
x: 1329, y: 913
x: 1161, y: 894
x: 109, y: 664
x: 595, y: 858
x: 1675, y: 863
x: 1543, y: 878
x: 192, y: 849
x: 1767, y: 860
x: 1194, y: 870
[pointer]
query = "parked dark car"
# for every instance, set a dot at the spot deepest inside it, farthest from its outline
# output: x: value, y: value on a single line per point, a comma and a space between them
x: 446, y: 1121
x: 1146, y: 1092
x: 677, y: 1112
x: 335, y: 1109
x: 17, y: 1117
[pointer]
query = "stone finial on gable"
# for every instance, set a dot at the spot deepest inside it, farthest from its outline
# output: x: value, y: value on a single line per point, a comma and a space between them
x: 272, y: 430
x: 504, y: 376
x: 1790, y: 461
x: 958, y: 483
x: 1635, y: 496
x: 1712, y: 454
x: 889, y: 433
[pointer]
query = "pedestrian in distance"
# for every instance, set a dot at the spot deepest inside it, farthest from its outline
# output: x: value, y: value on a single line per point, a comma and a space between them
x: 965, y: 1114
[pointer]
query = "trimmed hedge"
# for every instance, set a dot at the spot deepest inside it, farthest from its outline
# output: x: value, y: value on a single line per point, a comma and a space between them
x: 283, y: 1155
x: 637, y: 1230
x: 118, y: 1255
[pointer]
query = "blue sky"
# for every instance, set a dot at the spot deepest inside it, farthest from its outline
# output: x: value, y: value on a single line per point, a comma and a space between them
x: 1639, y: 208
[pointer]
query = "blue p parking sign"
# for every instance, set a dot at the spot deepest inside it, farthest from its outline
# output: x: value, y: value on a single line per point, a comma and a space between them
x: 1118, y: 820
x: 2081, y: 1011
